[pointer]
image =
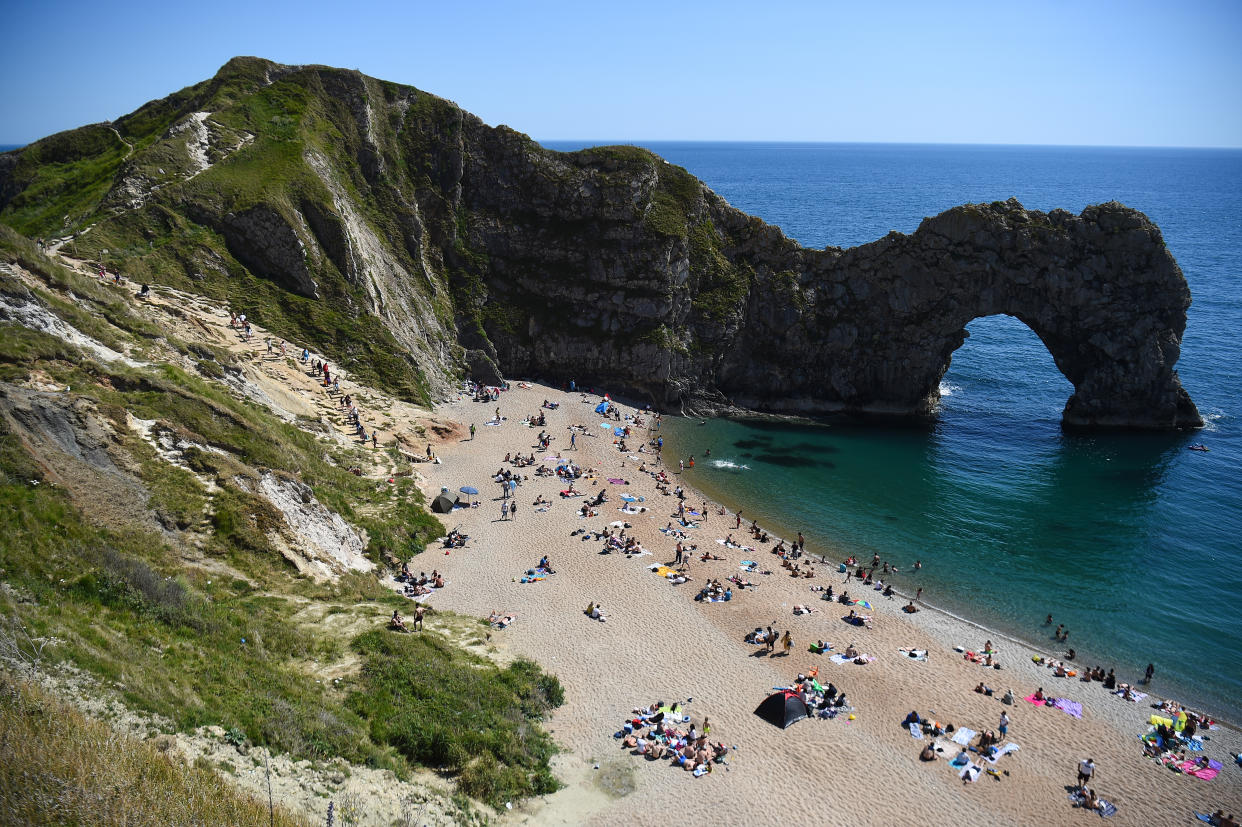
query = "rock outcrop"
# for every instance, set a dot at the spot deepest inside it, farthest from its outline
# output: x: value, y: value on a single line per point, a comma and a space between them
x: 480, y: 250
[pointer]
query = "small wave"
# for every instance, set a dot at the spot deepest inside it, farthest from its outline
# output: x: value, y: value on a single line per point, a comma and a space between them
x: 948, y: 390
x: 1211, y: 418
x: 730, y: 464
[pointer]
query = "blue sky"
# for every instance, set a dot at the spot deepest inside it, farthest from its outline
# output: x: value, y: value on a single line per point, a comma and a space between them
x: 1088, y: 72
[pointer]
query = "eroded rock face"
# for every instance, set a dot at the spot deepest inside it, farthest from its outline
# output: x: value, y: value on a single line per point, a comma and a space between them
x: 480, y: 250
x: 581, y: 282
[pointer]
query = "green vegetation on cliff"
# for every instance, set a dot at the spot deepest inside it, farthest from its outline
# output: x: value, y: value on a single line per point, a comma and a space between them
x: 164, y: 583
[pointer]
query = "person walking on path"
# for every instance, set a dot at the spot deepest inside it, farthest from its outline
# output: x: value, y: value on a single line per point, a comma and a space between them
x: 472, y: 430
x: 573, y: 441
x: 1086, y: 770
x: 504, y: 510
x: 1003, y: 729
x: 513, y: 509
x: 787, y: 642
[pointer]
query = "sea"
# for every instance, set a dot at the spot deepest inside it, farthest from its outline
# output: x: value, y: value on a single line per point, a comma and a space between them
x: 1133, y: 542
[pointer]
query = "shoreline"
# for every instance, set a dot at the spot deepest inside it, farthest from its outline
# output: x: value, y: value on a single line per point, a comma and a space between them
x: 1173, y: 687
x: 608, y: 668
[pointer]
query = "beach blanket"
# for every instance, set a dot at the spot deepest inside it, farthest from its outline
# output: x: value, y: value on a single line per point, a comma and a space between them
x: 616, y: 481
x: 959, y: 760
x: 963, y: 736
x: 1206, y: 773
x: 1194, y: 744
x: 838, y: 658
x: 628, y: 510
x: 970, y: 772
x: 914, y: 654
x: 1030, y: 699
x: 1005, y: 750
x: 1206, y: 818
x: 1138, y: 696
x: 1068, y: 707
x: 1157, y: 720
x: 915, y: 732
x: 1107, y: 809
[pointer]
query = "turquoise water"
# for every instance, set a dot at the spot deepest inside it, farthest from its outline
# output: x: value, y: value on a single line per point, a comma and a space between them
x: 1132, y: 541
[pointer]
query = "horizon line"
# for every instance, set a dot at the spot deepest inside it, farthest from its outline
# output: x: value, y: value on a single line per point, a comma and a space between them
x: 10, y: 146
x: 639, y: 141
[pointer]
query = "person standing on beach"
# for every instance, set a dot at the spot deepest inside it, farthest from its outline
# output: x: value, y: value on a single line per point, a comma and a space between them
x: 787, y: 642
x: 573, y: 441
x: 770, y: 639
x: 919, y: 594
x: 1086, y: 769
x: 1151, y: 670
x: 513, y: 509
x: 472, y: 430
x: 504, y: 510
x: 1003, y: 728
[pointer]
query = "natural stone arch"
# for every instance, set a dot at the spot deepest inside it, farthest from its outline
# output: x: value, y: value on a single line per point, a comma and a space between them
x: 1111, y: 320
x: 1100, y: 290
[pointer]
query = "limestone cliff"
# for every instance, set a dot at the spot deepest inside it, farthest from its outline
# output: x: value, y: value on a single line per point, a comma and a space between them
x: 329, y: 200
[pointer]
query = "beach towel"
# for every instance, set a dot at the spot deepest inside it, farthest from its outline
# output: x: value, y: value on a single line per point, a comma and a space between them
x: 970, y: 772
x: 838, y: 658
x: 959, y: 760
x: 963, y: 736
x: 1138, y: 696
x: 616, y: 481
x: 1156, y: 720
x: 914, y: 654
x: 1206, y: 818
x: 1193, y: 744
x: 1206, y: 773
x: 1030, y: 699
x: 915, y: 732
x: 1005, y: 750
x: 1069, y: 707
x: 1107, y: 809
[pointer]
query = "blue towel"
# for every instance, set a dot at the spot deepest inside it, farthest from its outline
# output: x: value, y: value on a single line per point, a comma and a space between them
x: 1204, y: 817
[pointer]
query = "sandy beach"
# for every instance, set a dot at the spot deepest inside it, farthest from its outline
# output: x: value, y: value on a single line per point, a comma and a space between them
x: 658, y: 643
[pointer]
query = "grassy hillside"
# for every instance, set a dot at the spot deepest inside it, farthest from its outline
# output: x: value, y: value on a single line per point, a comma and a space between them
x: 163, y: 582
x: 60, y: 767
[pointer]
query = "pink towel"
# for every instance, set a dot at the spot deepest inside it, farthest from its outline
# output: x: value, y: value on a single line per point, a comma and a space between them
x: 1030, y: 699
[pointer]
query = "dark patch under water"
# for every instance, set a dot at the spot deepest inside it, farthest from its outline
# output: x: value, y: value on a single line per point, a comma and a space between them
x: 793, y: 461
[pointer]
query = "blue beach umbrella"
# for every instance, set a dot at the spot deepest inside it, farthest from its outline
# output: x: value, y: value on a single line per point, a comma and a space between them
x: 468, y: 489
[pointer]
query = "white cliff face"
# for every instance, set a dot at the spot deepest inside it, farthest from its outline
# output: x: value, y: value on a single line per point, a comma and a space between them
x: 318, y: 541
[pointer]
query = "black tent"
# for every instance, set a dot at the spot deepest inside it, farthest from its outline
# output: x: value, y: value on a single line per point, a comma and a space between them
x: 442, y: 504
x: 782, y: 709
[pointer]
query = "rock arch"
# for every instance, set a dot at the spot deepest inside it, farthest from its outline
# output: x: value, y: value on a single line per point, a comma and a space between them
x: 1099, y: 289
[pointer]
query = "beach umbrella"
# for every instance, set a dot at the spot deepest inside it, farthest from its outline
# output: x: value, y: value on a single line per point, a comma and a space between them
x: 442, y: 504
x: 863, y: 603
x: 468, y: 489
x: 782, y: 709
